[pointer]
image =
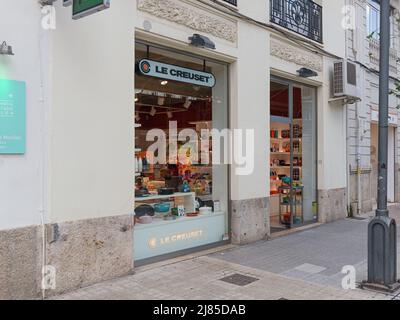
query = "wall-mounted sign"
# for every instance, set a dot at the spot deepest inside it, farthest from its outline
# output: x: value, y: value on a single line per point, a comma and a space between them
x: 83, y: 8
x: 393, y: 119
x: 165, y: 71
x: 12, y: 117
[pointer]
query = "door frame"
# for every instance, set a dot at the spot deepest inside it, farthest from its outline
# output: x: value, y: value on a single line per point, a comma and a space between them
x: 291, y: 85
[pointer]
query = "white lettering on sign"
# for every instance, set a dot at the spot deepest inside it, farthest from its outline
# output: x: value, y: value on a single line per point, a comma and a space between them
x: 154, y: 242
x: 165, y: 71
x: 393, y: 119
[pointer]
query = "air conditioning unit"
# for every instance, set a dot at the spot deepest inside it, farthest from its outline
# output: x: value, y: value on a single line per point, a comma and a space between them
x: 345, y: 80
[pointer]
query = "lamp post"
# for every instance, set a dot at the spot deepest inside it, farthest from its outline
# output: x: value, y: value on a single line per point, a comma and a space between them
x: 382, y: 246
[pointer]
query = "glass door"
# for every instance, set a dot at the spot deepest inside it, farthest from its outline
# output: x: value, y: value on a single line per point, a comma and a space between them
x: 280, y: 155
x: 292, y: 155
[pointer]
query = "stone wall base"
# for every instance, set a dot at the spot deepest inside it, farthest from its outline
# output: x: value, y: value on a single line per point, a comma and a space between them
x: 89, y: 251
x: 81, y: 252
x: 332, y: 205
x: 20, y: 263
x: 250, y: 220
x: 368, y: 193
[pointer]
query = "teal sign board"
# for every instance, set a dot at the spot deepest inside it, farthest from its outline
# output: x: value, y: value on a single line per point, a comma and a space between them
x: 162, y: 70
x: 82, y: 8
x: 12, y: 117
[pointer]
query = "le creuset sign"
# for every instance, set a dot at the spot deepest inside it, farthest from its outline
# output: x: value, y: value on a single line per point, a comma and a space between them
x: 165, y: 71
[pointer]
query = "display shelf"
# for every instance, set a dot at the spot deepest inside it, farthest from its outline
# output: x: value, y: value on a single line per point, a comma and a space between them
x: 285, y: 167
x: 161, y: 197
x: 284, y: 153
x: 285, y: 139
x: 157, y: 222
x: 189, y: 200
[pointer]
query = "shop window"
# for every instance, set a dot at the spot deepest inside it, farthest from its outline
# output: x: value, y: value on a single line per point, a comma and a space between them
x: 182, y: 202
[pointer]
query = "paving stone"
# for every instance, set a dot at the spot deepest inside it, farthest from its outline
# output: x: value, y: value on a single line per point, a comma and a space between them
x: 331, y: 246
x: 305, y: 265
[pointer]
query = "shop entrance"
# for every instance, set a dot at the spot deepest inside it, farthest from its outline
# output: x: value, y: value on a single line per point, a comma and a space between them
x: 293, y: 175
x: 181, y: 181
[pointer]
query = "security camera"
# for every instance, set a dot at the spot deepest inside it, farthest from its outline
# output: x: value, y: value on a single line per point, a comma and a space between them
x: 47, y: 2
x: 307, y: 73
x: 198, y: 40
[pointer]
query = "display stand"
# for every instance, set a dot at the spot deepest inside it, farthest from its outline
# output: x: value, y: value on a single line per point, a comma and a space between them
x: 285, y: 205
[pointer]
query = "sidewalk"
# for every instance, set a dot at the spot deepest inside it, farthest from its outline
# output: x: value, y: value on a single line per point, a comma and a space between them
x: 305, y: 265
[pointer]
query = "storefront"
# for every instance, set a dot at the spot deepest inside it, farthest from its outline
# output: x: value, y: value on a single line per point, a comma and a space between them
x: 181, y: 188
x: 293, y: 157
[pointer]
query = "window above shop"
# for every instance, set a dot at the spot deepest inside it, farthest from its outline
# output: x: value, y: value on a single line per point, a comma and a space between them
x: 231, y: 2
x: 373, y: 22
x: 301, y: 16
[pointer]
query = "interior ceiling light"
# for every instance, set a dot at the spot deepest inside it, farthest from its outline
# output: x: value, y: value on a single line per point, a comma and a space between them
x: 136, y: 99
x: 161, y: 101
x: 153, y: 111
x: 164, y: 82
x: 6, y: 49
x: 187, y: 104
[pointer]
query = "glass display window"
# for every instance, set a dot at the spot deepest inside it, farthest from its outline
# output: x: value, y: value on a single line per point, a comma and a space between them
x: 181, y: 191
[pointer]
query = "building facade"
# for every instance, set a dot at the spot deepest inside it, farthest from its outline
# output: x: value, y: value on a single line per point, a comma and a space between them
x: 111, y: 79
x: 362, y: 47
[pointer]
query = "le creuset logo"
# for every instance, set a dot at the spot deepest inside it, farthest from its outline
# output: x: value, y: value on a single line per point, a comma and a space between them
x: 145, y: 67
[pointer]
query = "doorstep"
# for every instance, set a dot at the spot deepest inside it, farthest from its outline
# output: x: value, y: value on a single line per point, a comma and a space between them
x: 285, y: 233
x: 190, y: 256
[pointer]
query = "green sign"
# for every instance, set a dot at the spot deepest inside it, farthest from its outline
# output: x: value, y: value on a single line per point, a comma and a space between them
x: 83, y: 8
x: 12, y: 117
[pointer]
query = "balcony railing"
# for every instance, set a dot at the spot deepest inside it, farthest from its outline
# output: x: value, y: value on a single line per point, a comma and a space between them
x: 301, y: 16
x: 232, y: 2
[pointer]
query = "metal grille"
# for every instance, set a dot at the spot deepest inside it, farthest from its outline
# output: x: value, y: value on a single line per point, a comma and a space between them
x: 232, y: 2
x: 338, y: 85
x: 239, y: 279
x: 301, y: 16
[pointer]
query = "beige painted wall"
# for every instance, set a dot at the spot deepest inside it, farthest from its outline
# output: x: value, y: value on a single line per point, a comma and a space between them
x: 91, y: 170
x: 22, y: 189
x: 92, y: 143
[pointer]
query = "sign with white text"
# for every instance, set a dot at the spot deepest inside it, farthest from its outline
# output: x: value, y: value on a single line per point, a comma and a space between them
x: 165, y: 71
x: 392, y: 119
x: 12, y: 117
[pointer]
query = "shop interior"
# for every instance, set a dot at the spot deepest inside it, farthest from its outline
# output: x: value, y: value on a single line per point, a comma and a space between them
x: 292, y: 156
x: 180, y: 190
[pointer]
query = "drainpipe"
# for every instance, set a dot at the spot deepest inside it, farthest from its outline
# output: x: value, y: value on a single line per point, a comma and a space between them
x: 359, y: 195
x: 348, y: 168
